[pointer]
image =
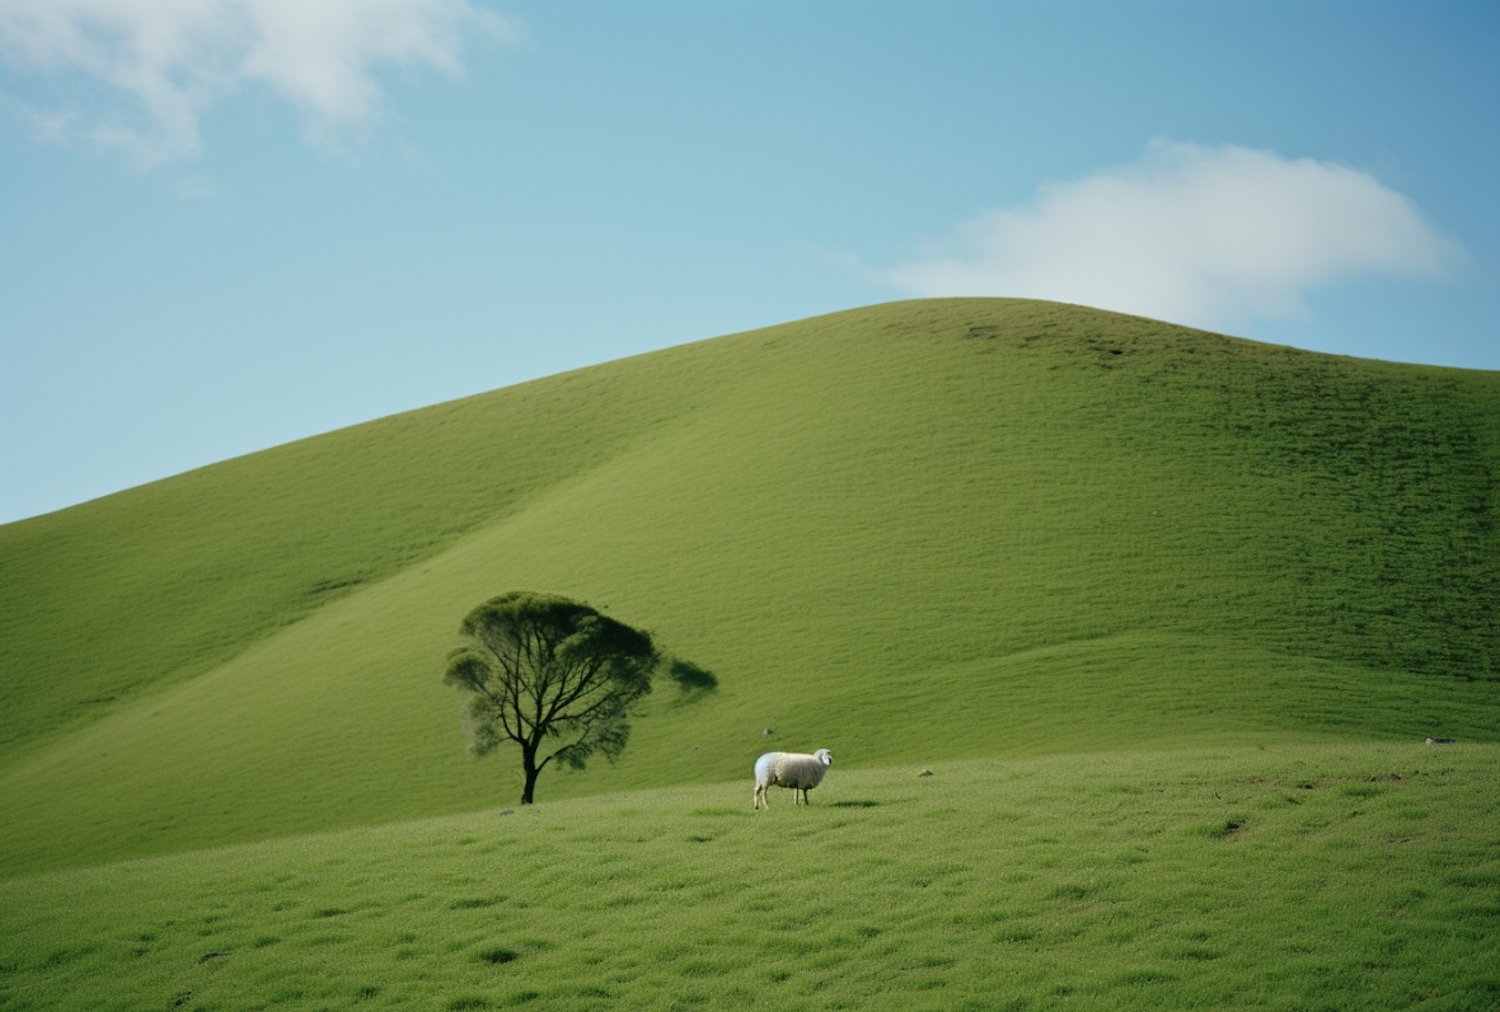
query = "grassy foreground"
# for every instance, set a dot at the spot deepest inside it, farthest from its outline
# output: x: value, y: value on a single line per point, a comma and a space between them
x: 1354, y: 876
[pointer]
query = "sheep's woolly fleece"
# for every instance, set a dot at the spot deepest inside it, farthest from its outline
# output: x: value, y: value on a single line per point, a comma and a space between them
x: 795, y: 770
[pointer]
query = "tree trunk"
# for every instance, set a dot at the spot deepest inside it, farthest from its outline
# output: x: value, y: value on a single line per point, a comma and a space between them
x: 528, y: 763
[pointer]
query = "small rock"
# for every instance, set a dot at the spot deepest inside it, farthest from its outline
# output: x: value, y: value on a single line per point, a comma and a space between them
x: 925, y: 773
x: 1440, y: 741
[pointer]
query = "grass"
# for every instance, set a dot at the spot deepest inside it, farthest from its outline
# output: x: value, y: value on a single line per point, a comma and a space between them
x: 1349, y: 876
x: 930, y: 531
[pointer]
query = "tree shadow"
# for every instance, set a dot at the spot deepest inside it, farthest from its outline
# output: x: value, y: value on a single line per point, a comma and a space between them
x: 693, y: 681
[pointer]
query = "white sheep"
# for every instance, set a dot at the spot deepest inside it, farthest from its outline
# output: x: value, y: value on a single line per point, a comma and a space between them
x: 797, y: 770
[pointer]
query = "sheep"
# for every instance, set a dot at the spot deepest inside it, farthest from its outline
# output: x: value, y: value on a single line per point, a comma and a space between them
x: 797, y: 770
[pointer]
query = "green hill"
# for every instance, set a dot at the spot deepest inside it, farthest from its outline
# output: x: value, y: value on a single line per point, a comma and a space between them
x: 946, y: 529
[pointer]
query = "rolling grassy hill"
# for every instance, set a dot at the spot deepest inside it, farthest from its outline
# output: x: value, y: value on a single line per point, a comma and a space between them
x: 932, y: 530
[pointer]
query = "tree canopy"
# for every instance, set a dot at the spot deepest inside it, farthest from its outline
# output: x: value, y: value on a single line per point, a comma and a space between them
x: 541, y: 669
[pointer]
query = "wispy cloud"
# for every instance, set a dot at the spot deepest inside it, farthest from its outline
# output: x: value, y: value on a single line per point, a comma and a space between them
x: 1199, y: 235
x: 166, y: 62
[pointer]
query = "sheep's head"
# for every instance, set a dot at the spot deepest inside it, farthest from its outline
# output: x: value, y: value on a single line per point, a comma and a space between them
x: 824, y: 756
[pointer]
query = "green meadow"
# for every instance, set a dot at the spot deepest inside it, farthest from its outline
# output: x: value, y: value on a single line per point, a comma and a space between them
x: 1167, y: 613
x: 1359, y: 876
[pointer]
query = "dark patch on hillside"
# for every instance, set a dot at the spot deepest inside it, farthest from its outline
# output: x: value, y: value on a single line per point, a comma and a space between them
x: 1388, y: 474
x: 335, y: 585
x: 1387, y: 464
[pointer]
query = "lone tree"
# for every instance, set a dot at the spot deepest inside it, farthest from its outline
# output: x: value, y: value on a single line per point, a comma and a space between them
x: 541, y: 668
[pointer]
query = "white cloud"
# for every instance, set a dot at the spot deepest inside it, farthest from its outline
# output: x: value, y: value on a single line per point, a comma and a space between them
x: 173, y: 59
x: 1192, y: 234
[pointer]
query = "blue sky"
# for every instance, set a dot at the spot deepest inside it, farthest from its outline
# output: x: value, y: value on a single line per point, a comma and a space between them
x: 228, y: 224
